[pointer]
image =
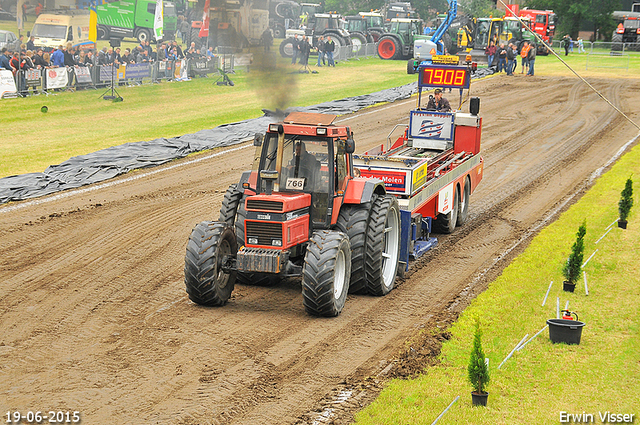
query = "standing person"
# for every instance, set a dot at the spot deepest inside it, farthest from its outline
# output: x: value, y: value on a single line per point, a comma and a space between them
x: 565, y: 43
x: 267, y: 40
x: 185, y: 28
x: 24, y: 11
x: 68, y: 57
x: 524, y: 54
x: 320, y: 48
x: 4, y: 60
x: 580, y: 45
x: 502, y: 58
x: 511, y: 58
x: 531, y: 56
x: 30, y: 44
x: 295, y: 45
x: 57, y: 57
x: 305, y: 50
x: 490, y: 51
x: 38, y: 60
x: 329, y: 48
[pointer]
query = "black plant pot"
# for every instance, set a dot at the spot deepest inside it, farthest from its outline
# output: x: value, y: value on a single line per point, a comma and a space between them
x: 622, y: 224
x: 479, y: 399
x: 564, y: 330
x: 568, y: 286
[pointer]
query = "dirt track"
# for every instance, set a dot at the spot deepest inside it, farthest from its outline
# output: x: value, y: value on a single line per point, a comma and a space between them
x: 95, y: 318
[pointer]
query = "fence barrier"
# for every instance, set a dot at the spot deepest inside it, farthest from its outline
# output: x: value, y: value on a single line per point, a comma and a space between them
x: 48, y: 80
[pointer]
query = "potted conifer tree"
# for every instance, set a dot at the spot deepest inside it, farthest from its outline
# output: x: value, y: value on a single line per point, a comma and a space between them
x: 478, y: 371
x: 571, y: 270
x: 625, y: 203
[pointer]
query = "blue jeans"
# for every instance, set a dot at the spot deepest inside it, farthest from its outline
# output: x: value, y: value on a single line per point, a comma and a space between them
x: 510, y: 67
x: 320, y: 56
x: 330, y: 59
x: 531, y: 63
x: 502, y: 64
x: 490, y: 59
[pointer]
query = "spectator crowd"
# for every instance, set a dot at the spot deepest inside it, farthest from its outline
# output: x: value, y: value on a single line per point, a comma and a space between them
x: 26, y: 56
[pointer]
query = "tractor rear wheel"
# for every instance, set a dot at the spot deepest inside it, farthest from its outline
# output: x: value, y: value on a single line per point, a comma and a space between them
x: 230, y: 205
x: 325, y: 274
x: 616, y: 42
x: 446, y: 223
x: 357, y: 41
x: 463, y: 209
x: 286, y: 48
x: 389, y: 48
x: 382, y: 245
x: 353, y: 220
x: 210, y: 244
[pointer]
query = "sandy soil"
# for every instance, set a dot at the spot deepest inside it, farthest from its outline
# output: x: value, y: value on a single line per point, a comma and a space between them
x: 95, y: 318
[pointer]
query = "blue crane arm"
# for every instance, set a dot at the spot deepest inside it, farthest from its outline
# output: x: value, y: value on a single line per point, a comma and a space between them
x: 444, y: 26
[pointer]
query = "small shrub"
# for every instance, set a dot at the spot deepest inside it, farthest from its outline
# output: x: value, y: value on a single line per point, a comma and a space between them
x: 478, y: 372
x: 571, y: 270
x: 626, y: 200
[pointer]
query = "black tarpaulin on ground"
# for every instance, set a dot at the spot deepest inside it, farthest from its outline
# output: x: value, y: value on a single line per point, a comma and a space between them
x: 111, y: 162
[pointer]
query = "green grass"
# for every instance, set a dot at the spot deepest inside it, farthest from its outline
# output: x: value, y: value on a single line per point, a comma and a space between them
x: 81, y: 122
x: 536, y: 384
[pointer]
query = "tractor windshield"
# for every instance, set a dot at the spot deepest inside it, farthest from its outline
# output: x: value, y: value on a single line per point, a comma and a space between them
x: 305, y: 165
x: 356, y: 25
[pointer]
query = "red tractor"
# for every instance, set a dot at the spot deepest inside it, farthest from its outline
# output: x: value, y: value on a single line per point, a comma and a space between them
x: 300, y: 212
x: 345, y: 223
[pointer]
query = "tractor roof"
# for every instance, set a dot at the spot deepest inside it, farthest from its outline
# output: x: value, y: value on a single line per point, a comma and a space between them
x: 309, y: 118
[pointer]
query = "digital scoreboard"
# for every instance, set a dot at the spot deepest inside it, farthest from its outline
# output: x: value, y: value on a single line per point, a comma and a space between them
x: 443, y: 76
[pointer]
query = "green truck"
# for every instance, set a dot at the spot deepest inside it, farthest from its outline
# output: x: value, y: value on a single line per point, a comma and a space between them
x: 134, y: 18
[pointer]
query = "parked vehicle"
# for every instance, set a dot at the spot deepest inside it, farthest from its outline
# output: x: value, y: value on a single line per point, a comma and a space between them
x: 54, y: 29
x: 125, y: 18
x: 318, y: 24
x: 7, y: 38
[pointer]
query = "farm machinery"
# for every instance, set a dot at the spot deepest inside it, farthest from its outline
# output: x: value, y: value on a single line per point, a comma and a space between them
x: 343, y: 222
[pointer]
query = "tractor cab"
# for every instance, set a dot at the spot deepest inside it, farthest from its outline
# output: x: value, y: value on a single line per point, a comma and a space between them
x: 304, y: 156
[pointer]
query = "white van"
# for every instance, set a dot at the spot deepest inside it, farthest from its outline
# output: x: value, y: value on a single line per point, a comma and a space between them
x: 53, y: 30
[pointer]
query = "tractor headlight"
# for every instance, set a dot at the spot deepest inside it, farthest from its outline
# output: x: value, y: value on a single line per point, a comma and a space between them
x: 276, y: 242
x: 321, y: 131
x: 253, y: 241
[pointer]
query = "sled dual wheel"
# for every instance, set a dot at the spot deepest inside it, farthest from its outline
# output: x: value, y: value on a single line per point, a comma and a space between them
x: 325, y: 274
x: 463, y: 209
x: 383, y: 245
x: 446, y: 223
x: 210, y: 244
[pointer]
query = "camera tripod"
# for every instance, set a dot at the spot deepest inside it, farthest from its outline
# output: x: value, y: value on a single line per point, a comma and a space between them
x: 113, y: 90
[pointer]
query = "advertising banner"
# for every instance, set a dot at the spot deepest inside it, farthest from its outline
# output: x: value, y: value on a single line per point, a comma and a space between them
x: 431, y: 125
x: 445, y: 199
x: 203, y: 66
x: 137, y: 71
x: 33, y: 77
x: 165, y: 69
x: 394, y: 181
x: 107, y: 72
x: 83, y: 75
x: 7, y: 84
x: 57, y: 78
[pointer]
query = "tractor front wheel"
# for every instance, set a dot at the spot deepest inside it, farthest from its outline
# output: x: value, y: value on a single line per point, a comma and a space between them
x: 325, y: 274
x: 209, y: 246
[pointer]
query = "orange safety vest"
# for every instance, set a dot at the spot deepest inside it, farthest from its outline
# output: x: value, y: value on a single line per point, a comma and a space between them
x: 525, y: 51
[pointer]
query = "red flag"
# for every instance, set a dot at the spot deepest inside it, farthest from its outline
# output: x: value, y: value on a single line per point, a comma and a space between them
x: 204, y: 30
